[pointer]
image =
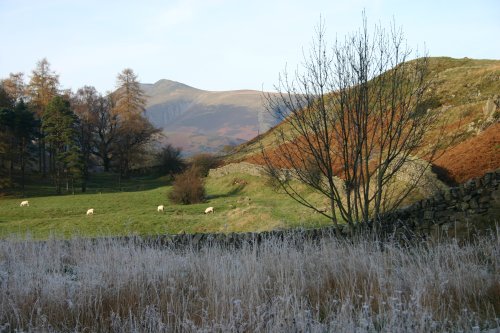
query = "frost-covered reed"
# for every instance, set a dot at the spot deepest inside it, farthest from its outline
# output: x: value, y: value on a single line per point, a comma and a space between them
x: 335, y: 285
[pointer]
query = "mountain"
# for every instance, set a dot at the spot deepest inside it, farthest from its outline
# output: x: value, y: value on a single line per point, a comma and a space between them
x: 205, y: 121
x: 466, y: 94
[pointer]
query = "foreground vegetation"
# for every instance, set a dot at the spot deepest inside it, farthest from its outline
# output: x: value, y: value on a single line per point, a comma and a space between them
x: 336, y: 286
x: 241, y: 202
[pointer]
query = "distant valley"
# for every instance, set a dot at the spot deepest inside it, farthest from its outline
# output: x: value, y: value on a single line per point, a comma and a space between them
x: 205, y: 121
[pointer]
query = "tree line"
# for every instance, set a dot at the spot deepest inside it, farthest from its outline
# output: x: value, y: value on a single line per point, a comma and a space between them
x: 61, y: 134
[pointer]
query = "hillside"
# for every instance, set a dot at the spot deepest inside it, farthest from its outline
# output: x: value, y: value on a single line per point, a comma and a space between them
x: 199, y: 120
x: 466, y: 94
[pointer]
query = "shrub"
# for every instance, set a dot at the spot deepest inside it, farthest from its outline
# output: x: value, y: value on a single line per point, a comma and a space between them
x: 204, y: 162
x: 188, y: 187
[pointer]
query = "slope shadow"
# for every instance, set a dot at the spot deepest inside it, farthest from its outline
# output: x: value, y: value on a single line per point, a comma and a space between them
x: 235, y: 191
x: 98, y: 183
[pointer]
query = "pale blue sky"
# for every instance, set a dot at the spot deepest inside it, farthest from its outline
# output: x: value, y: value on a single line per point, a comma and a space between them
x: 219, y: 44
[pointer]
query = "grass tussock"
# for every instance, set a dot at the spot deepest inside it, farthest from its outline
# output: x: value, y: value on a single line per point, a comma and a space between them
x: 337, y: 286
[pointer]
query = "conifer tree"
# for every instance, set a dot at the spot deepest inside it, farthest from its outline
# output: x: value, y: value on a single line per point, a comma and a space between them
x: 58, y: 124
x: 43, y: 86
x: 134, y: 130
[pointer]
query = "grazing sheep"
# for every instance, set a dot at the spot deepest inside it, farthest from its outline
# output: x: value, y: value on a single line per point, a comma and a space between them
x: 160, y: 208
x: 90, y: 211
x: 209, y: 210
x: 24, y: 203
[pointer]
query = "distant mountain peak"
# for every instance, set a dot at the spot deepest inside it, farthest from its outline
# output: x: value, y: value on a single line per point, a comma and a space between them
x: 165, y: 85
x: 199, y: 120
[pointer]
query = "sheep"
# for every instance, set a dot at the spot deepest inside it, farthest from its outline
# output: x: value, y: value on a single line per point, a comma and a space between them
x: 160, y: 208
x: 209, y: 210
x: 24, y: 203
x: 90, y: 211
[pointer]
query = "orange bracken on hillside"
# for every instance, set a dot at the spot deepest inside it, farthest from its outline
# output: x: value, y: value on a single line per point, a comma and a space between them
x: 474, y: 157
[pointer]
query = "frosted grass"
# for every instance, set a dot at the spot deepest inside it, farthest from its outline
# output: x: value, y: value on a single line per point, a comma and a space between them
x: 335, y: 285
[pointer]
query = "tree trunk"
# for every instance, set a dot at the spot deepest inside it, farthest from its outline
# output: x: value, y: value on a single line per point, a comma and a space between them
x: 23, y: 163
x: 106, y: 162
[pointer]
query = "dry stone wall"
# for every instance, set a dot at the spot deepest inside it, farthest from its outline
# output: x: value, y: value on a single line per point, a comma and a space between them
x: 460, y: 211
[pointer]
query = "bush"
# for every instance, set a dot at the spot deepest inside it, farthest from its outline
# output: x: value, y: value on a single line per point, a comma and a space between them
x: 204, y: 162
x: 188, y: 188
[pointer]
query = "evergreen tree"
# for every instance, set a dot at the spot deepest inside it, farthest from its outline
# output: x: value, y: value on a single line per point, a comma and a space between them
x: 17, y: 129
x: 58, y: 124
x: 25, y: 130
x: 6, y: 142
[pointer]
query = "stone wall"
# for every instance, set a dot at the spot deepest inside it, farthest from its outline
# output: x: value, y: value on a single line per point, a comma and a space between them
x: 460, y: 211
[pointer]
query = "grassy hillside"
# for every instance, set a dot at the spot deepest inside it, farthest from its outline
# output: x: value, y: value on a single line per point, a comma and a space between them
x: 245, y: 205
x: 466, y: 94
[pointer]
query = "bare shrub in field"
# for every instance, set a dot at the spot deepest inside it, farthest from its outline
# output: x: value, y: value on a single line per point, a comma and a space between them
x: 188, y: 188
x: 336, y: 286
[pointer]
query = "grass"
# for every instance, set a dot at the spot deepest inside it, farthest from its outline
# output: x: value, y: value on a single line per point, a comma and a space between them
x: 238, y: 208
x: 331, y: 286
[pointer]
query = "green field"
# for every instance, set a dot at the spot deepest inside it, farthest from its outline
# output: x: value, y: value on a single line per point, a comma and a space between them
x: 253, y: 206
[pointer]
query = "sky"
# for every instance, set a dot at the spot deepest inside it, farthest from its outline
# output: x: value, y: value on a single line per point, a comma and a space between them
x: 220, y: 44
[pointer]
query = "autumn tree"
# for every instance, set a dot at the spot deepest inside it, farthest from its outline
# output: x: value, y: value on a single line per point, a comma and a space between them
x: 15, y: 87
x: 6, y: 100
x: 58, y: 124
x: 42, y: 88
x: 350, y: 124
x: 134, y: 131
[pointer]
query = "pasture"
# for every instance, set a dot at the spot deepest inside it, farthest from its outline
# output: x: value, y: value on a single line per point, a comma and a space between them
x: 241, y: 203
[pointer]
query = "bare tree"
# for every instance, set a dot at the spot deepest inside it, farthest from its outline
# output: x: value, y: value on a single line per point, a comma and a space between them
x: 106, y: 127
x: 351, y: 123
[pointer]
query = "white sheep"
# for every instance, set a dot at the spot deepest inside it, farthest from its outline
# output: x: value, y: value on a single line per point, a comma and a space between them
x: 160, y: 208
x: 209, y: 210
x: 90, y: 211
x: 24, y: 203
